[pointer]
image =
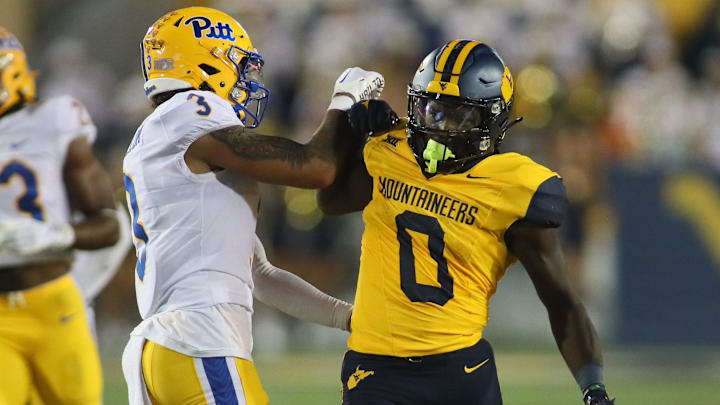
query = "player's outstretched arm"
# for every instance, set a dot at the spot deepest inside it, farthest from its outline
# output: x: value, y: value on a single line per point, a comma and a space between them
x: 538, y: 249
x: 352, y: 189
x: 278, y: 160
x: 271, y: 159
x: 90, y: 191
x: 295, y: 296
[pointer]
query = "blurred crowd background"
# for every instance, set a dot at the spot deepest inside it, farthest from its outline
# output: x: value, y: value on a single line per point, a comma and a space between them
x: 619, y: 96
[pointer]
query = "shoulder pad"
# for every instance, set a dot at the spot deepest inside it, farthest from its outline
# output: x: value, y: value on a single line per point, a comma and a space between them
x: 68, y: 116
x: 393, y: 136
x: 196, y: 113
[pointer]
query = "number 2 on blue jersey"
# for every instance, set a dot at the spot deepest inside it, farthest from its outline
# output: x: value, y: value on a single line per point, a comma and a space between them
x: 28, y: 201
x: 202, y: 103
x: 137, y: 226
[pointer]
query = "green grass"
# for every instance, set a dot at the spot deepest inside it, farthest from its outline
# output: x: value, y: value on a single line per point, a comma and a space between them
x: 647, y: 377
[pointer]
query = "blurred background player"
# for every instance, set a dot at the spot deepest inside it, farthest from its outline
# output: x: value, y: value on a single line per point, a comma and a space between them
x: 47, y: 168
x: 446, y: 213
x: 94, y: 269
x: 191, y: 175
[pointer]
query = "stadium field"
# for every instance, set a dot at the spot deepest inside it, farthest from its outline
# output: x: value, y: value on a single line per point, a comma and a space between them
x: 656, y: 376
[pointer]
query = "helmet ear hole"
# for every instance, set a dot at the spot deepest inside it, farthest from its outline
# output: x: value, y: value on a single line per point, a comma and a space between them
x: 206, y: 87
x: 210, y: 70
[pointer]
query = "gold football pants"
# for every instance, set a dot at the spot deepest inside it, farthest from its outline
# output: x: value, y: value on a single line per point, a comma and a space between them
x: 45, y: 344
x: 174, y: 379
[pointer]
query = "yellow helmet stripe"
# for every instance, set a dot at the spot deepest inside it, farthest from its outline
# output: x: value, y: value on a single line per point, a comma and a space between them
x: 450, y: 63
x: 507, y: 85
x: 460, y: 61
x: 443, y: 59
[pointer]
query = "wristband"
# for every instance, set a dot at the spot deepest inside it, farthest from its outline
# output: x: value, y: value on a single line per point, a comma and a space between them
x: 341, y: 101
x: 589, y: 375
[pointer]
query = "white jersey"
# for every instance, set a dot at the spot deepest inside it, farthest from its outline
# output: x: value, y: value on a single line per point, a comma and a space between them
x: 93, y: 269
x: 33, y: 147
x: 193, y: 233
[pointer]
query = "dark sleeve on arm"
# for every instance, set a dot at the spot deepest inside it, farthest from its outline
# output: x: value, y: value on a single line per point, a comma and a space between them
x: 548, y: 204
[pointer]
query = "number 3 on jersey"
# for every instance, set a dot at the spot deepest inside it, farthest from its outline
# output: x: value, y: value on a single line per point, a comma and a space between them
x: 137, y: 226
x: 429, y: 226
x: 202, y: 103
x: 28, y: 201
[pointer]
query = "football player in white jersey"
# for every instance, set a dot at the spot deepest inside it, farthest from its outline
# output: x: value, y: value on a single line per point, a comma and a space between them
x: 46, y: 166
x: 191, y: 174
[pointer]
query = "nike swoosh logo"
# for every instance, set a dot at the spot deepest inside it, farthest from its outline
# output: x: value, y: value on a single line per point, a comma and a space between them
x: 469, y: 370
x: 18, y: 144
x: 470, y: 176
x: 346, y: 75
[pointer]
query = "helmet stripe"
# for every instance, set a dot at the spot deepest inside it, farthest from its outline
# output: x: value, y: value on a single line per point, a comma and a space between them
x: 462, y: 57
x: 142, y: 59
x: 452, y: 58
x: 443, y: 59
x: 507, y: 87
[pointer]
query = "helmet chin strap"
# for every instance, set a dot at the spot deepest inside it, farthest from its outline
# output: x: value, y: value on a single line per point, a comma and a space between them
x: 435, y: 152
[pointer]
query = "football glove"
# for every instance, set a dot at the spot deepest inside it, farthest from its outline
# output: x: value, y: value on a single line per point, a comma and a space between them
x: 27, y: 236
x: 596, y: 395
x: 370, y: 117
x: 354, y: 85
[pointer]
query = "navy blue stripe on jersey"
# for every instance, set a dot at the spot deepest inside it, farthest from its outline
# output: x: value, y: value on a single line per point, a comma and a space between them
x: 221, y: 383
x: 547, y: 206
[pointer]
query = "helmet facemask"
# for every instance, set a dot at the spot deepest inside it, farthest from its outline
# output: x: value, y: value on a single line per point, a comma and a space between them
x: 249, y: 95
x: 448, y: 133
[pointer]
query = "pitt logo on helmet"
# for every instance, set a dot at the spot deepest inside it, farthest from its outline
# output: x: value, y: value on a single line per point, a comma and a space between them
x: 9, y: 43
x: 219, y: 30
x: 205, y: 49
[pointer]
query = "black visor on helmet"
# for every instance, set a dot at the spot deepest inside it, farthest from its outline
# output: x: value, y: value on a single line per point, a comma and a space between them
x: 446, y: 116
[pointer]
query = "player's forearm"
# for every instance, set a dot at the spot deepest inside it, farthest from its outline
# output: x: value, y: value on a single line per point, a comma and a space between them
x: 351, y: 191
x: 574, y: 333
x: 97, y: 231
x: 331, y: 199
x: 352, y: 188
x: 277, y: 160
x: 298, y: 298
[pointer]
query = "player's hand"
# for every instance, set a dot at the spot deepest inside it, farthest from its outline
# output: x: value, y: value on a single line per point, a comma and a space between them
x: 596, y: 395
x: 371, y: 117
x: 27, y: 236
x: 355, y: 85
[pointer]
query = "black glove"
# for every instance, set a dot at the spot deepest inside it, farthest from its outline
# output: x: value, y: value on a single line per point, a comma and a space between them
x: 371, y: 117
x: 596, y: 395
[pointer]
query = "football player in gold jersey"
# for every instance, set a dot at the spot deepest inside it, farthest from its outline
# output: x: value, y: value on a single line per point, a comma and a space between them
x: 47, y: 170
x: 445, y: 215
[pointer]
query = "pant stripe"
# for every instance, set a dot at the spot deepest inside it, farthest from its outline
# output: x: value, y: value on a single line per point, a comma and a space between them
x: 237, y: 382
x: 221, y: 383
x: 204, y: 383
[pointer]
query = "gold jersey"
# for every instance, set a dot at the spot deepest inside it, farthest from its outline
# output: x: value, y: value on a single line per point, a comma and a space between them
x: 433, y: 249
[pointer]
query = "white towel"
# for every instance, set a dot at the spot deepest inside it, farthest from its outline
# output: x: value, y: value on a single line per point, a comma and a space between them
x: 132, y: 369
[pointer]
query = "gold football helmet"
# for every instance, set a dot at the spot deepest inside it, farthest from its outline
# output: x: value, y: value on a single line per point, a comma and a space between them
x: 17, y: 83
x: 205, y: 49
